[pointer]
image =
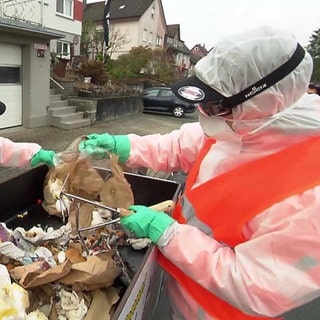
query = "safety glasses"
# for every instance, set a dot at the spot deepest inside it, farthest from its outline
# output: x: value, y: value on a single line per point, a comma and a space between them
x: 213, y: 108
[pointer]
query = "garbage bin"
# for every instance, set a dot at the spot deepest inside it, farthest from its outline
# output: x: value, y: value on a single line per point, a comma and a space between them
x: 23, y: 193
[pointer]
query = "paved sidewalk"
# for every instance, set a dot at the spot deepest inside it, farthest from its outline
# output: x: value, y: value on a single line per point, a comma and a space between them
x: 59, y: 139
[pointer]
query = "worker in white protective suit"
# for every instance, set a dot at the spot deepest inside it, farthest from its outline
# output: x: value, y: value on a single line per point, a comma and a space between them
x: 243, y: 241
x: 22, y: 154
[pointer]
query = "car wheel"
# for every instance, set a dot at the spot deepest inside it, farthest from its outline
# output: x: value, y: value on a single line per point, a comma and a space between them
x: 178, y: 111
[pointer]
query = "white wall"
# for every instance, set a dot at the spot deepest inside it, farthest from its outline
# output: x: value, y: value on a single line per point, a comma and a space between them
x: 134, y: 30
x: 131, y: 31
x: 68, y: 27
x: 153, y: 24
x: 59, y: 22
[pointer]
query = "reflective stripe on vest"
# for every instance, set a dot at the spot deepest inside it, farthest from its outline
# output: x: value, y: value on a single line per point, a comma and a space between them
x: 190, y: 218
x: 227, y: 202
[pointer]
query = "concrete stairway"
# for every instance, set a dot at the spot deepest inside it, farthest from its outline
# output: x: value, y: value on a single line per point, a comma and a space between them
x: 65, y: 116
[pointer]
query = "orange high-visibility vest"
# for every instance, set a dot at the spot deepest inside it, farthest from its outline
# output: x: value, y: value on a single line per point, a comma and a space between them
x: 228, y: 201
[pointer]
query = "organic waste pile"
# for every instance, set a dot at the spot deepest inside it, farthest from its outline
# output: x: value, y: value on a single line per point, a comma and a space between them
x: 71, y: 272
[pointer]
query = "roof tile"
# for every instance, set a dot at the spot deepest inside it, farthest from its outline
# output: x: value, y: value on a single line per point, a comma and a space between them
x: 119, y: 9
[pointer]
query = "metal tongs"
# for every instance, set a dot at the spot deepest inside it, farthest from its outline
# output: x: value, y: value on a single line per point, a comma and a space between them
x: 166, y: 206
x: 72, y: 197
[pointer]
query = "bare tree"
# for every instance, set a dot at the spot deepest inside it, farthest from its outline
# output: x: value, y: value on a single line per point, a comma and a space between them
x: 92, y: 41
x: 116, y: 41
x: 87, y: 36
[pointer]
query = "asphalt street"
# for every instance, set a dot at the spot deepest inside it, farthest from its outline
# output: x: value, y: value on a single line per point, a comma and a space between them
x: 59, y: 139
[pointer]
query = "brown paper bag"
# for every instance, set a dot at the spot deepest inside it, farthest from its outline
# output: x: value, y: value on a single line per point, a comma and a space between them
x: 101, y: 304
x: 34, y: 279
x: 33, y: 268
x: 85, y: 181
x: 116, y: 191
x: 97, y: 272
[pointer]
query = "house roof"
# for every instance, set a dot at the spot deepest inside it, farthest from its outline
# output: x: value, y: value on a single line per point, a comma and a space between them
x: 174, y: 33
x: 174, y: 30
x: 181, y: 47
x: 119, y: 9
x: 199, y: 50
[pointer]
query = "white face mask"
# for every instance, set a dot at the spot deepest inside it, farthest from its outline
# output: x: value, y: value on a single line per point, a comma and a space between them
x: 217, y: 128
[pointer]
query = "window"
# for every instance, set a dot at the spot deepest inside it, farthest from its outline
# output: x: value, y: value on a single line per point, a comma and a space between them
x: 153, y: 8
x: 65, y: 7
x: 10, y: 75
x: 63, y: 50
x: 150, y: 37
x: 151, y: 93
x: 144, y: 36
x: 165, y: 93
x: 159, y: 41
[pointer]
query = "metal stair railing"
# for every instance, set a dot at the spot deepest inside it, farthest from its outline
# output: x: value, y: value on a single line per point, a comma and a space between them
x: 56, y: 83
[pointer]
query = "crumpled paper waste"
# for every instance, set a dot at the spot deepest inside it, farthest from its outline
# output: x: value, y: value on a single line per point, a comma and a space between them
x: 14, y: 300
x: 32, y: 260
x: 60, y: 275
x: 27, y: 245
x: 70, y: 306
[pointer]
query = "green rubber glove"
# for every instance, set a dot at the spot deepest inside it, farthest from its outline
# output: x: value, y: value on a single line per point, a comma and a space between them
x: 146, y: 223
x: 96, y: 146
x: 43, y: 156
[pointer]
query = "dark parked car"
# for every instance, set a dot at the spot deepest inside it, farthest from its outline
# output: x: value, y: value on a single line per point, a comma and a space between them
x: 162, y: 99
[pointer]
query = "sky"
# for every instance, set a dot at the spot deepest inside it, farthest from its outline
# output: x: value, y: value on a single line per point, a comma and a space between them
x: 207, y: 21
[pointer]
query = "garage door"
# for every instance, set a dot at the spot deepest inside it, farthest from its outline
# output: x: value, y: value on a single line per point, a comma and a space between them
x: 10, y: 85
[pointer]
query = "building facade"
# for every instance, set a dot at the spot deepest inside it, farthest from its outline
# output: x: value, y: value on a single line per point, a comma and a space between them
x: 29, y: 31
x: 198, y: 51
x: 140, y: 22
x: 178, y: 51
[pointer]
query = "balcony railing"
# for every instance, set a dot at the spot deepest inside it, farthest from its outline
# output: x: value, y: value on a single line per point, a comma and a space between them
x: 29, y: 11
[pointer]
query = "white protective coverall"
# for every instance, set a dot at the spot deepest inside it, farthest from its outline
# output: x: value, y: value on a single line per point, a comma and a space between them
x: 17, y: 154
x: 287, y: 231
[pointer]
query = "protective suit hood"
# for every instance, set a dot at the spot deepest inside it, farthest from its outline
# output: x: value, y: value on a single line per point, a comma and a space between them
x: 239, y: 61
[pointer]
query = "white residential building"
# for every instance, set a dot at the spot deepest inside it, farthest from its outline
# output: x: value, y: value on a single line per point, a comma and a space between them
x: 29, y: 30
x: 141, y: 21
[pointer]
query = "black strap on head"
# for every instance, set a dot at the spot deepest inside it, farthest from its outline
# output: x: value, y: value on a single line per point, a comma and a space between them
x: 267, y: 81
